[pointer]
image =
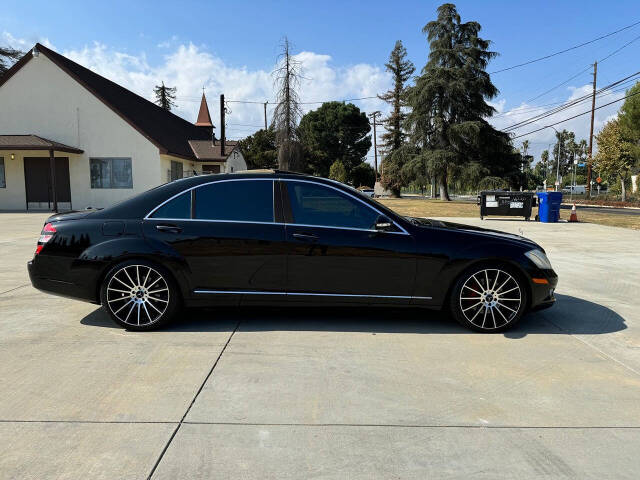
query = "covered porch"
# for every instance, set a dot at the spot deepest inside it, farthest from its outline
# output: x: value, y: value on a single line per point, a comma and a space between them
x: 34, y: 173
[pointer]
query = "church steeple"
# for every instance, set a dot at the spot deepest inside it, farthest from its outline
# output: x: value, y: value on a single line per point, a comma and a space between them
x: 204, y: 119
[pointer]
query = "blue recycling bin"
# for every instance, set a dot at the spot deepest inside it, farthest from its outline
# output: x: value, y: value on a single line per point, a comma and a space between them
x: 549, y: 206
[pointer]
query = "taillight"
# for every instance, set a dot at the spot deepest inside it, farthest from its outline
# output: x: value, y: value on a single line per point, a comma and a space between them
x: 45, y: 236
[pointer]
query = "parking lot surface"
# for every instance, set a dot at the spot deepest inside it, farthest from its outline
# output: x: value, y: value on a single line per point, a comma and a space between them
x: 257, y: 394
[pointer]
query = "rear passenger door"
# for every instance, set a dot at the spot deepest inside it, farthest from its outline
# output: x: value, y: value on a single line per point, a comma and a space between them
x: 228, y: 238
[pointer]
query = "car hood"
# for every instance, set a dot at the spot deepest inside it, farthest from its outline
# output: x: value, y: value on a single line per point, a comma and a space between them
x: 485, y: 232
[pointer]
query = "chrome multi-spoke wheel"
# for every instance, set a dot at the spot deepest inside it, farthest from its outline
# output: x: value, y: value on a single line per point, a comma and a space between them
x: 137, y: 295
x: 489, y: 299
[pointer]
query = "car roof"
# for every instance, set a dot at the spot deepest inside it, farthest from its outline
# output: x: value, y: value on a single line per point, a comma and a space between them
x: 139, y: 205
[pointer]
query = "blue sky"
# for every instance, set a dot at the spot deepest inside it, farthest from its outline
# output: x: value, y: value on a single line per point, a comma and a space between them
x: 231, y: 45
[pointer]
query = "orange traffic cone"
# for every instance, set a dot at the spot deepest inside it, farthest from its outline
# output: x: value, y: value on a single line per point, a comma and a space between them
x: 574, y: 214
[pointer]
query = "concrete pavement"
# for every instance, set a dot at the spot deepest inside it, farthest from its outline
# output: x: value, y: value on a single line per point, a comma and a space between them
x: 328, y: 394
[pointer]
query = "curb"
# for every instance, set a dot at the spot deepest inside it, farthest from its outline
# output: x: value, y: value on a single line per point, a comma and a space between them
x: 578, y: 205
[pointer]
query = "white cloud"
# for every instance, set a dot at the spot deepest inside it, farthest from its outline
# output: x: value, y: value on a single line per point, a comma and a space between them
x: 189, y: 68
x: 169, y: 42
x: 540, y: 140
x: 23, y: 43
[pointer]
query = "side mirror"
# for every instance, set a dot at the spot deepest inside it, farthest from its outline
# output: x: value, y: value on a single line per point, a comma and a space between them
x: 383, y: 223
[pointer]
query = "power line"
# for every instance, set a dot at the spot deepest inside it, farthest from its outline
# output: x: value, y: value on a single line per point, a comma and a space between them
x: 305, y: 103
x: 569, y: 104
x: 575, y: 116
x: 559, y: 85
x: 583, y: 71
x: 624, y: 46
x: 529, y: 62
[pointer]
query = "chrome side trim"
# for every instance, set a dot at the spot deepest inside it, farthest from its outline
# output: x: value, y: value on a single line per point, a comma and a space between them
x: 270, y: 223
x: 303, y: 294
x: 212, y: 221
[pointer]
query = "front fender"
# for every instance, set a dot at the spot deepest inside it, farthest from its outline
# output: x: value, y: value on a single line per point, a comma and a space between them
x: 479, y: 252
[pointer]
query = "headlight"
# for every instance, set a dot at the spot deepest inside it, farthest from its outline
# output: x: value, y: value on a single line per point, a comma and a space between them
x: 539, y: 258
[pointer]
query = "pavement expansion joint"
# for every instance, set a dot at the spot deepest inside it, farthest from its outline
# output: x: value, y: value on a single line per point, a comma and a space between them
x: 204, y: 382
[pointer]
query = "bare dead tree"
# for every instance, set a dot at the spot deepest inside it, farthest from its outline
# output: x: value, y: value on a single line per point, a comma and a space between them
x: 288, y: 112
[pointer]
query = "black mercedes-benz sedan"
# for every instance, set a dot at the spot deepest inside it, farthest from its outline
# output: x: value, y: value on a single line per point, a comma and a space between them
x: 272, y: 237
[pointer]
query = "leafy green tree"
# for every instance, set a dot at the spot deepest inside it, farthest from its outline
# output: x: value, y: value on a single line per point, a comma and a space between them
x: 335, y: 131
x: 259, y: 149
x: 363, y: 175
x: 165, y: 96
x: 449, y: 102
x: 8, y: 56
x: 545, y: 162
x: 615, y: 155
x: 401, y: 70
x: 338, y: 172
x: 629, y: 116
x: 395, y: 174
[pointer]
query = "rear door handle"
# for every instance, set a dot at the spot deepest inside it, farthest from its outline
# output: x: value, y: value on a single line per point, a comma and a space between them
x: 305, y: 237
x: 168, y: 228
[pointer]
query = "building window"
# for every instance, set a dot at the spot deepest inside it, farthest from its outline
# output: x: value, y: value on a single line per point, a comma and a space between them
x: 210, y: 169
x: 3, y: 180
x: 111, y: 173
x: 176, y: 171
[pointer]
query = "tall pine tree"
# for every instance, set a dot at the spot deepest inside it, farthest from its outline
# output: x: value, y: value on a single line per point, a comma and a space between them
x: 8, y: 56
x: 449, y: 102
x: 165, y: 96
x: 393, y: 138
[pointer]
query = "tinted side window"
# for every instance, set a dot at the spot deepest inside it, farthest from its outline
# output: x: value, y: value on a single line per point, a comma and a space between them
x: 244, y: 200
x: 317, y: 205
x: 179, y: 207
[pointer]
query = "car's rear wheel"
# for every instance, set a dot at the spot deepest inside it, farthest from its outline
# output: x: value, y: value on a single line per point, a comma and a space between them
x: 139, y: 295
x: 488, y: 298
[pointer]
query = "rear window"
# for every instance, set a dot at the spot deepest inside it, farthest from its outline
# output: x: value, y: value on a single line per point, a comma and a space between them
x: 239, y: 200
x: 179, y: 207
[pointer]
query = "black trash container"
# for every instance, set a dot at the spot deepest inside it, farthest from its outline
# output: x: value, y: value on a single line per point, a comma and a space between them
x: 506, y: 204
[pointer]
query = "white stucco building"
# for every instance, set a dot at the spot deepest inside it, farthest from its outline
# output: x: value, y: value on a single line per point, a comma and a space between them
x: 67, y: 130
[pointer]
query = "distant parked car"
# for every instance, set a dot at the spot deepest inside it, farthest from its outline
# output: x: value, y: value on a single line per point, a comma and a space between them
x: 575, y: 189
x: 366, y: 191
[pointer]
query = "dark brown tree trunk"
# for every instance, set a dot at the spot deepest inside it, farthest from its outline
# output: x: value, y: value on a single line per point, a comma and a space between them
x: 444, y: 190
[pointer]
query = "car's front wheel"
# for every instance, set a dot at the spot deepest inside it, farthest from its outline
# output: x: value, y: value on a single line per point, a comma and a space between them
x: 139, y: 295
x: 488, y: 299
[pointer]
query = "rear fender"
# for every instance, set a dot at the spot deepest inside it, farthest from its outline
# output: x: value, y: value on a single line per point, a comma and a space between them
x: 111, y: 252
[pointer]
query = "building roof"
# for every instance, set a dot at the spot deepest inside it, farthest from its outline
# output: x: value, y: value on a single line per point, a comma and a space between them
x: 204, y: 119
x: 169, y: 132
x: 33, y: 142
x: 207, y: 150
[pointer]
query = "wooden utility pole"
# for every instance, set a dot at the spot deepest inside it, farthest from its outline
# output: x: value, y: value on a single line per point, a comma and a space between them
x: 265, y: 115
x: 593, y: 110
x: 222, y: 112
x: 373, y: 115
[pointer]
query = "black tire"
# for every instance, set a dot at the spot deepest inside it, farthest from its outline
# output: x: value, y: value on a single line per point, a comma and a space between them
x: 488, y: 298
x: 140, y: 295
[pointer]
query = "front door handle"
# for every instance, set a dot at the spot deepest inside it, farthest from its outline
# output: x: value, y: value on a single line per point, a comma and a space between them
x: 305, y: 237
x: 168, y: 228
